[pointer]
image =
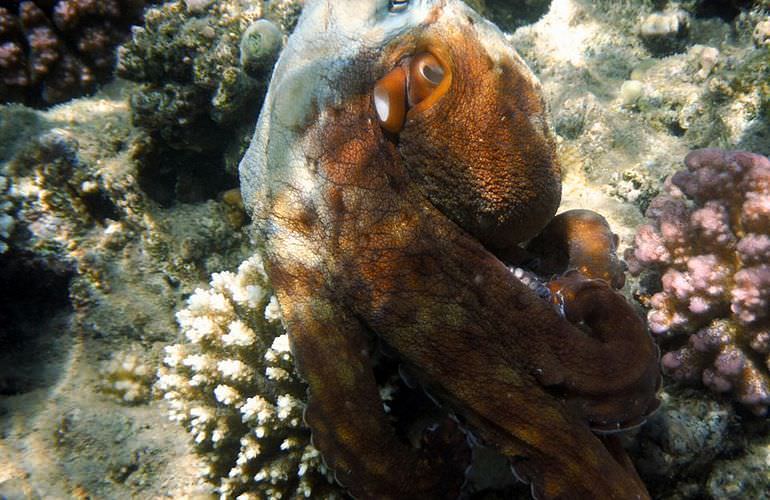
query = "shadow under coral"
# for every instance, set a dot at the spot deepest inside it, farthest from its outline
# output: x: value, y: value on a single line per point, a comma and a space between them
x: 34, y: 306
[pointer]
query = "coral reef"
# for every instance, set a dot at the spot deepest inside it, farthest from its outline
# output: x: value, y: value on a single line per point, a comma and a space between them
x: 195, y: 49
x: 285, y: 13
x: 200, y: 93
x: 232, y: 384
x: 679, y: 443
x: 128, y: 377
x: 625, y: 113
x: 509, y: 15
x: 710, y: 238
x: 78, y: 201
x: 53, y: 50
x: 743, y: 476
x: 663, y: 32
x: 75, y: 290
x: 6, y: 214
x: 94, y: 267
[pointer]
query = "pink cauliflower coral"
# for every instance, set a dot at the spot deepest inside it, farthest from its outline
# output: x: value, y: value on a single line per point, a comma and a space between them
x: 709, y: 237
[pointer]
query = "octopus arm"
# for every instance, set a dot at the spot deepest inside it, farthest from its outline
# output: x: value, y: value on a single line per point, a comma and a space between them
x: 578, y: 240
x: 344, y: 409
x: 459, y: 317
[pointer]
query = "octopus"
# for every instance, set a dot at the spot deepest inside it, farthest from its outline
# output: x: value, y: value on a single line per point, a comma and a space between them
x: 402, y: 167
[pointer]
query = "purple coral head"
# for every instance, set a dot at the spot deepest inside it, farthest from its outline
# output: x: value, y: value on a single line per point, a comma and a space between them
x: 715, y: 336
x: 754, y: 390
x: 716, y: 381
x: 682, y: 364
x: 709, y: 240
x: 53, y: 50
x: 717, y: 174
x: 755, y: 213
x: 712, y: 223
x: 730, y: 362
x: 754, y: 248
x: 706, y: 177
x: 751, y: 294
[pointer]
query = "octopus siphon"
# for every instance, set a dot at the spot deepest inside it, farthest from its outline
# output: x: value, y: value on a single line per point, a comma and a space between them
x: 402, y: 166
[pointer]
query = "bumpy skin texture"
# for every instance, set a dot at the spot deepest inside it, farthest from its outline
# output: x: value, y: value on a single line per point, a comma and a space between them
x: 581, y: 240
x: 709, y: 238
x: 53, y: 50
x: 366, y: 232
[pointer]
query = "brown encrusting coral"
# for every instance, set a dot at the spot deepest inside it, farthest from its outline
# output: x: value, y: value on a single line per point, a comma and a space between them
x: 202, y: 67
x: 53, y: 50
x: 710, y: 238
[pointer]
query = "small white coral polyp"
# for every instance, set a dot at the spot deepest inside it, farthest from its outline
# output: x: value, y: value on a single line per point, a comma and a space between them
x: 709, y: 237
x: 127, y: 377
x: 231, y: 382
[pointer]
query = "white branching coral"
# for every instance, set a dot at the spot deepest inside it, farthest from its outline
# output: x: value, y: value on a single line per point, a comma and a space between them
x: 127, y: 377
x: 231, y: 383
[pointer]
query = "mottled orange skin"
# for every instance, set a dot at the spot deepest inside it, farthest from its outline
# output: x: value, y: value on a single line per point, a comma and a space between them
x: 396, y: 242
x: 579, y: 240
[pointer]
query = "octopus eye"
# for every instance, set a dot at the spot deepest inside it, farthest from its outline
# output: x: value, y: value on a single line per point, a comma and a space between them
x: 425, y: 75
x: 415, y: 84
x: 390, y: 100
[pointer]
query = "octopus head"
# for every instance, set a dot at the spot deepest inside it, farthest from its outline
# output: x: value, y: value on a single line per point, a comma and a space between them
x: 470, y: 122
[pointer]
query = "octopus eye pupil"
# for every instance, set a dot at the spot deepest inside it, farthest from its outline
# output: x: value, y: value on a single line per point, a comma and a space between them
x: 426, y: 73
x: 432, y: 73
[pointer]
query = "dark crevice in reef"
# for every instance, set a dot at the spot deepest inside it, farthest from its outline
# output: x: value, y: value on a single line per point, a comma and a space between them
x: 34, y: 296
x: 727, y: 10
x: 509, y: 15
x: 169, y: 176
x: 676, y: 129
x: 100, y: 206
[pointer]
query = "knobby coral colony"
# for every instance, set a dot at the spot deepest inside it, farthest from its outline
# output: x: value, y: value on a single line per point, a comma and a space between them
x: 53, y: 50
x: 232, y: 384
x: 710, y: 238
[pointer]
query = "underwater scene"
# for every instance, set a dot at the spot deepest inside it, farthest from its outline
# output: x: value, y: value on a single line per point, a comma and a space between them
x: 384, y: 249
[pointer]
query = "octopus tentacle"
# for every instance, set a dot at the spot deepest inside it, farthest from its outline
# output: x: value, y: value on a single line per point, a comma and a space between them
x: 614, y: 445
x: 610, y: 319
x: 345, y: 411
x: 581, y: 240
x: 467, y: 327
